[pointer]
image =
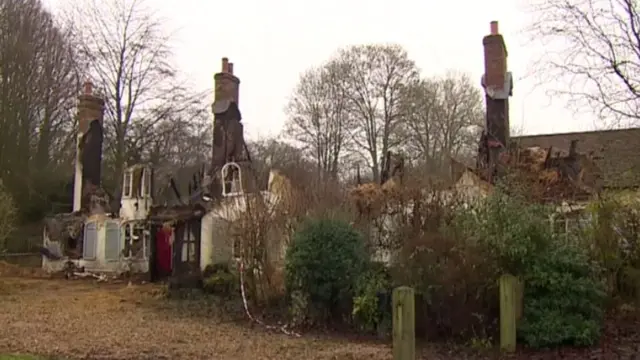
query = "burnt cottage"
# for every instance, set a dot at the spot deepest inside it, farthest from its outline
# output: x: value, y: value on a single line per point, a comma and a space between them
x: 177, y: 240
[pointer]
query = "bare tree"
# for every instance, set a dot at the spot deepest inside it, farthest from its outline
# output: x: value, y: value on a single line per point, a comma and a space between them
x: 593, y: 49
x: 443, y: 117
x: 38, y: 84
x: 273, y: 154
x: 177, y: 149
x: 317, y: 116
x: 127, y: 52
x: 373, y: 77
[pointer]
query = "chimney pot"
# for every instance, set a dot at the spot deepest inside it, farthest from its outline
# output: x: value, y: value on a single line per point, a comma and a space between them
x: 494, y: 28
x: 225, y: 65
x: 231, y: 68
x: 88, y: 88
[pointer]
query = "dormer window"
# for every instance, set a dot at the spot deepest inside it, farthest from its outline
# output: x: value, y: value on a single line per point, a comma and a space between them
x: 127, y: 184
x: 231, y: 179
x: 146, y: 182
x: 136, y: 182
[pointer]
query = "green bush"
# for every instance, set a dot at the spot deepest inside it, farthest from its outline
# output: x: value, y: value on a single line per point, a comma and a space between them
x: 367, y: 311
x: 563, y: 301
x: 614, y: 240
x: 219, y: 279
x: 513, y: 230
x: 322, y: 266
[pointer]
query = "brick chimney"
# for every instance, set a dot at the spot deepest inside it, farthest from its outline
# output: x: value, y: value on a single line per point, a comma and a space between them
x: 227, y: 85
x: 89, y: 144
x: 90, y: 107
x: 498, y: 86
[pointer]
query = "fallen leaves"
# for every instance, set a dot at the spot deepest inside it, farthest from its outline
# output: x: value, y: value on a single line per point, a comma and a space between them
x: 7, y: 269
x: 84, y: 319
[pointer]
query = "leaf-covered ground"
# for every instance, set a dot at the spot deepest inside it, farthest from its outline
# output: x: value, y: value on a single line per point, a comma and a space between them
x: 81, y: 319
x: 78, y: 319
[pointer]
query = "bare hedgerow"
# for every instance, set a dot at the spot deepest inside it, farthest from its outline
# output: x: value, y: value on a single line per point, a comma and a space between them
x: 413, y: 222
x: 262, y: 233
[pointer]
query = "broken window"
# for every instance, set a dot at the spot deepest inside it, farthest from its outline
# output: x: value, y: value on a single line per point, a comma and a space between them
x: 112, y: 241
x: 232, y: 179
x: 127, y: 184
x: 136, y: 240
x: 90, y: 241
x: 146, y: 243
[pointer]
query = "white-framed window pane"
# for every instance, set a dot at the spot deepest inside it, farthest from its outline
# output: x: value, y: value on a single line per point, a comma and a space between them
x: 147, y: 181
x: 90, y: 241
x: 185, y: 251
x: 112, y: 241
x: 126, y: 191
x: 192, y: 251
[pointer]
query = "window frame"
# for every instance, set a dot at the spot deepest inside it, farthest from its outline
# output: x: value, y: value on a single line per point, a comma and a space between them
x: 90, y: 226
x: 127, y: 184
x: 120, y: 239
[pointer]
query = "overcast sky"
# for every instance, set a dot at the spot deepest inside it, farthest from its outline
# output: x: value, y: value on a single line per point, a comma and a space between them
x: 271, y: 42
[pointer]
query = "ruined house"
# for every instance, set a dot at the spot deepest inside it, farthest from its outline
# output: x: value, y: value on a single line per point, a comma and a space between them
x: 615, y: 152
x: 177, y: 240
x: 91, y: 237
x: 201, y: 223
x: 542, y: 170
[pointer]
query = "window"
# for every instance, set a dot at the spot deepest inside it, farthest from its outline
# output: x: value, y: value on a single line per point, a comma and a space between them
x: 137, y: 239
x: 126, y: 184
x: 231, y: 176
x: 146, y: 243
x: 146, y: 177
x: 90, y: 241
x: 188, y: 245
x: 112, y: 241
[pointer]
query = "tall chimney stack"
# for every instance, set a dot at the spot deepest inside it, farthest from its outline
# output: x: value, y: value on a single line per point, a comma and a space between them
x: 89, y: 144
x: 227, y: 85
x: 498, y: 86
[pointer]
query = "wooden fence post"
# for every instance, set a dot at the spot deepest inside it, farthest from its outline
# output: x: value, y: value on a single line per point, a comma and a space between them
x: 404, y: 324
x: 508, y: 312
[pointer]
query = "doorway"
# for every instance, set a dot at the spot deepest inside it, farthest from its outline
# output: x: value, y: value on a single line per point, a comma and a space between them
x: 162, y: 259
x: 186, y: 248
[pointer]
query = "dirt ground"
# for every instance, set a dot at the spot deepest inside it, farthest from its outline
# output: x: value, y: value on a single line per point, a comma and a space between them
x: 80, y: 319
x: 83, y: 319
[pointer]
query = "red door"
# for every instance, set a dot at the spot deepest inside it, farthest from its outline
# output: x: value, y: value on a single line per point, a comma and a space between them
x: 163, y: 248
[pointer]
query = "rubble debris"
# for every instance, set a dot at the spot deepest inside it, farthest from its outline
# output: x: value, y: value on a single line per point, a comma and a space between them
x: 64, y: 232
x: 547, y: 175
x: 543, y: 174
